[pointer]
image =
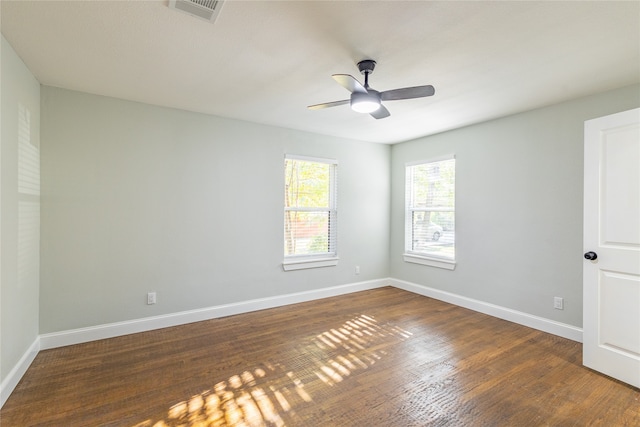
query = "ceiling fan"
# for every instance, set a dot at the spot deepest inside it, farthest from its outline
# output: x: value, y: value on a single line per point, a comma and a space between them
x: 364, y: 99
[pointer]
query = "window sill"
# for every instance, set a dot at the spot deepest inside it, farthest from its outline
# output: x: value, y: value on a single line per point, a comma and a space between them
x: 432, y: 262
x: 301, y: 264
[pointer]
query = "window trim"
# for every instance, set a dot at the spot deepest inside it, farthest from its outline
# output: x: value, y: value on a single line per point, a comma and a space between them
x: 421, y: 257
x: 414, y: 258
x: 308, y: 262
x: 327, y: 259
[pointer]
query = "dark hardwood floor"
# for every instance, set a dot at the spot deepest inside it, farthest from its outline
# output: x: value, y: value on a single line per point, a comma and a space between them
x: 383, y: 357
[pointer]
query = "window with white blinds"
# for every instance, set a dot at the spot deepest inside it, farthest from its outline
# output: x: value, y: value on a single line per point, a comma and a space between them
x: 430, y: 212
x: 310, y: 212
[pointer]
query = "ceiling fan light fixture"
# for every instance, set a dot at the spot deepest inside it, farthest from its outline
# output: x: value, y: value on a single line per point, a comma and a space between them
x: 364, y: 102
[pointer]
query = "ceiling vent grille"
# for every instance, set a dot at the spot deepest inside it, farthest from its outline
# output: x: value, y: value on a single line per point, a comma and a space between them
x: 203, y: 9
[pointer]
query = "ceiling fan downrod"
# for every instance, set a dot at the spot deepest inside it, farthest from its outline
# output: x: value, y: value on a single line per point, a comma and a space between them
x: 366, y: 67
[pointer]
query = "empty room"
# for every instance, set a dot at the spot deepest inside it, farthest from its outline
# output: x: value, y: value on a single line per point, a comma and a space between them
x: 319, y: 213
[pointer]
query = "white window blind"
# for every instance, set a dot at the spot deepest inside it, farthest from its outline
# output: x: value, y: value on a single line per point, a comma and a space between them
x: 430, y: 209
x: 310, y: 212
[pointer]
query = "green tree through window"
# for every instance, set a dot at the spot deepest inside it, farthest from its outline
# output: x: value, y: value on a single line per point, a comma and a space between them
x: 310, y: 216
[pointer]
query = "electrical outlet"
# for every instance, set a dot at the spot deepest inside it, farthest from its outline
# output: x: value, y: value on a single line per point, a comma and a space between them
x: 357, y: 269
x: 151, y: 298
x: 558, y: 303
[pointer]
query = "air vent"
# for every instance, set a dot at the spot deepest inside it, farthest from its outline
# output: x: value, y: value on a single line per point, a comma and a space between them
x: 203, y: 9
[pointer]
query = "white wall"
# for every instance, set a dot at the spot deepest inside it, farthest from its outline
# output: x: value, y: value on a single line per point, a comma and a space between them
x: 19, y: 252
x: 518, y: 207
x: 138, y: 198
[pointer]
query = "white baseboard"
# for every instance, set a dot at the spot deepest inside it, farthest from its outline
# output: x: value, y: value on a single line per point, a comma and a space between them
x: 13, y: 378
x: 82, y: 335
x: 540, y: 323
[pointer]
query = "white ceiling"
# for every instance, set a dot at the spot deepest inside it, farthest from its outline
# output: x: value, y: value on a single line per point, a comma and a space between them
x: 265, y: 61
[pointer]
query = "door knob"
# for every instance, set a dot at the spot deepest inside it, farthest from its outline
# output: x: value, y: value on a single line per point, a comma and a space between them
x: 591, y: 256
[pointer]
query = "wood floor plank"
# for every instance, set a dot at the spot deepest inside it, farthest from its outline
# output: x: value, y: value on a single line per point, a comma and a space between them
x: 383, y: 357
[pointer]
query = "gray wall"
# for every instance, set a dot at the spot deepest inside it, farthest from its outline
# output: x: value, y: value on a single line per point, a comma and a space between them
x: 518, y: 206
x: 138, y: 198
x: 19, y: 270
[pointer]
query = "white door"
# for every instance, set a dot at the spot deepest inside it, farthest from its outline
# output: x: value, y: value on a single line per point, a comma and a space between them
x: 611, y: 323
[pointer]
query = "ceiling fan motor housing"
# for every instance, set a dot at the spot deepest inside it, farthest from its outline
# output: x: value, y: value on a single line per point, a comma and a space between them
x: 366, y: 66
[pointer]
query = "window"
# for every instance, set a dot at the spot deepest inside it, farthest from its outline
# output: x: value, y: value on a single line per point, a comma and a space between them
x: 310, y: 215
x: 430, y: 213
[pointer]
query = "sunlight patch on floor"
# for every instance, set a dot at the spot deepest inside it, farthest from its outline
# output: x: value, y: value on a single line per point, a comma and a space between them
x: 259, y: 397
